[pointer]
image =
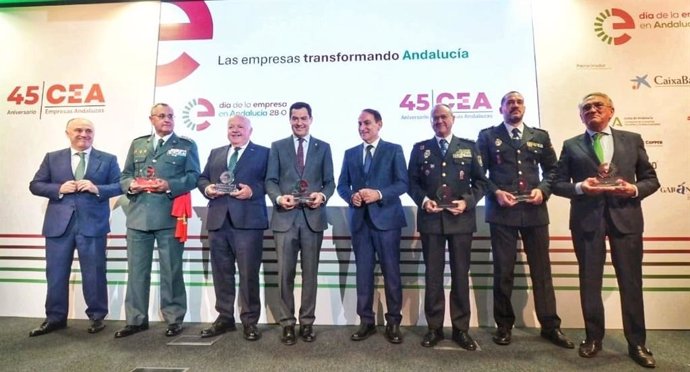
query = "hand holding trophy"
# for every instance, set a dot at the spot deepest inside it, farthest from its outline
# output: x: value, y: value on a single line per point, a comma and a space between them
x: 147, y: 180
x: 301, y: 192
x: 227, y: 183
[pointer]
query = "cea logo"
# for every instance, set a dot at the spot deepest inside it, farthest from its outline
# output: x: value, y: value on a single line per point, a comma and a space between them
x: 195, y: 113
x: 620, y: 20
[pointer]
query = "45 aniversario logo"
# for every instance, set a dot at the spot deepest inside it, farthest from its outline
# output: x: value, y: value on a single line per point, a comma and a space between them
x: 55, y: 99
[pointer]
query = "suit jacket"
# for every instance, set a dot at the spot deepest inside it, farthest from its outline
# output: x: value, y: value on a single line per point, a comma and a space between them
x: 249, y: 170
x: 177, y: 162
x: 282, y: 176
x: 460, y: 169
x: 578, y: 162
x: 508, y: 163
x: 92, y: 211
x: 387, y: 174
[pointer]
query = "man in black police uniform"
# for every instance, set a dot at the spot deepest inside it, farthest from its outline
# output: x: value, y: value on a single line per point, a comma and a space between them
x: 516, y: 198
x: 446, y: 182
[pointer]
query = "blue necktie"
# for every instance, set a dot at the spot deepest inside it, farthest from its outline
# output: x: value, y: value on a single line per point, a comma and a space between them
x: 367, y: 159
x: 516, y: 137
x: 444, y: 146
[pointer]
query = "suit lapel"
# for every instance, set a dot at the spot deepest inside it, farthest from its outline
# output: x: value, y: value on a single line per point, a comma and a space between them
x: 618, y: 143
x: 166, y: 145
x: 585, y: 143
x: 502, y: 133
x: 94, y: 164
x: 65, y: 164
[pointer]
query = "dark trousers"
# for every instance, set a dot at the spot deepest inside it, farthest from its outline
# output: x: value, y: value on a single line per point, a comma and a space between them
x: 299, y: 239
x: 626, y: 256
x: 535, y: 240
x: 368, y: 243
x: 59, y: 257
x: 230, y: 245
x: 173, y: 294
x: 459, y: 250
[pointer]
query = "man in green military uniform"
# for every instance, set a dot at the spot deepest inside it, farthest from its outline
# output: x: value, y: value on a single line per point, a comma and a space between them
x: 159, y: 168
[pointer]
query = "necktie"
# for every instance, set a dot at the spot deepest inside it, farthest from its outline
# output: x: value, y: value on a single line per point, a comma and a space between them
x: 444, y: 146
x: 367, y: 159
x: 300, y: 156
x: 516, y: 137
x: 232, y: 162
x: 81, y: 167
x: 598, y: 149
x: 158, y: 147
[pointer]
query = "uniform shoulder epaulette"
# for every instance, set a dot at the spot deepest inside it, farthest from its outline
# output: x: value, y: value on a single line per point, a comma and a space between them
x: 466, y: 140
x: 144, y: 136
x: 186, y: 138
x: 539, y: 129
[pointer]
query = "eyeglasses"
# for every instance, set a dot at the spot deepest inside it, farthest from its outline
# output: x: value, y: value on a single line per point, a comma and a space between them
x: 163, y: 116
x: 597, y: 106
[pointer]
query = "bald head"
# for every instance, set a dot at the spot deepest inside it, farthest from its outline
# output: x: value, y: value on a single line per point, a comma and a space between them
x: 80, y: 132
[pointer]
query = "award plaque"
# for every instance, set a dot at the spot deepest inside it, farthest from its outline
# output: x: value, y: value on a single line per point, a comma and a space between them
x: 300, y: 192
x: 444, y: 197
x: 148, y: 178
x: 606, y: 175
x: 523, y: 193
x: 227, y: 183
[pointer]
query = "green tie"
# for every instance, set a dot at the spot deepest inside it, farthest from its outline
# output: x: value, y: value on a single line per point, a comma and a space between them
x: 233, y: 160
x: 598, y: 150
x: 159, y: 147
x: 81, y: 167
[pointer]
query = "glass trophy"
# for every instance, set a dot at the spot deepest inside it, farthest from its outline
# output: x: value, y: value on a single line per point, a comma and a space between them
x: 147, y: 178
x: 606, y: 175
x: 523, y: 193
x: 444, y: 197
x: 301, y: 193
x: 227, y: 183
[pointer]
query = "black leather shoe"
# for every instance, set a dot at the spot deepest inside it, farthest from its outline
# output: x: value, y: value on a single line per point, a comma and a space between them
x: 130, y: 330
x: 432, y: 337
x: 393, y: 334
x: 463, y: 339
x: 96, y: 326
x: 642, y: 356
x: 503, y: 336
x: 47, y: 327
x: 307, y: 333
x: 251, y: 332
x: 218, y: 327
x: 173, y: 330
x: 364, y: 331
x: 557, y: 338
x: 288, y: 337
x: 589, y: 348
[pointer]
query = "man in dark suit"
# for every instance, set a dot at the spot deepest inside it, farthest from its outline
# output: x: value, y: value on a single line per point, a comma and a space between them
x: 513, y: 153
x: 599, y: 210
x: 236, y: 222
x: 371, y: 181
x: 299, y: 181
x: 79, y: 182
x: 158, y: 169
x: 446, y: 182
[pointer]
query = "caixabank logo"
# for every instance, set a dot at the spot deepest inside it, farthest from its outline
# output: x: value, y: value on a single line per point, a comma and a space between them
x: 196, y: 113
x: 616, y: 19
x: 661, y: 80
